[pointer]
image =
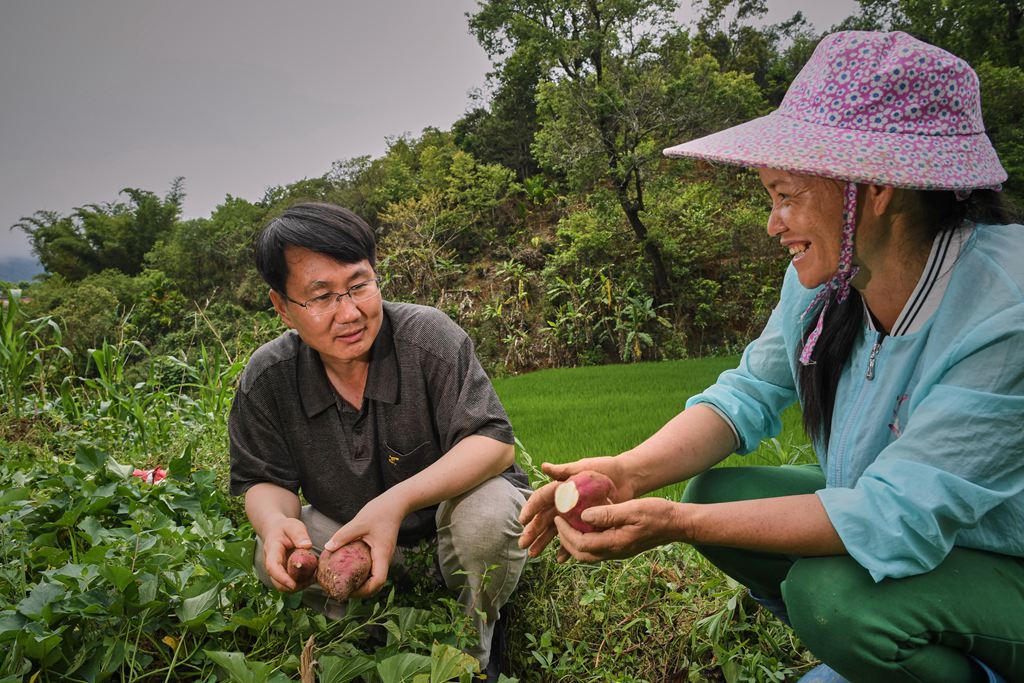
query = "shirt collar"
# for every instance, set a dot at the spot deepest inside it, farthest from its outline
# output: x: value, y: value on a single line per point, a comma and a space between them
x: 932, y: 285
x: 315, y: 390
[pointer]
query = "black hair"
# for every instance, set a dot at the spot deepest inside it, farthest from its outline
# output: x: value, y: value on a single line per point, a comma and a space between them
x: 940, y: 210
x: 324, y: 228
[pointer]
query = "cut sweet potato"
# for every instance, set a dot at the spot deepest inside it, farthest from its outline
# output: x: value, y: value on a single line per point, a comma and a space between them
x: 579, y: 492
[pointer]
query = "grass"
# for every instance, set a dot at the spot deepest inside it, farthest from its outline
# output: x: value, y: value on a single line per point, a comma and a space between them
x: 566, y: 414
x: 664, y: 615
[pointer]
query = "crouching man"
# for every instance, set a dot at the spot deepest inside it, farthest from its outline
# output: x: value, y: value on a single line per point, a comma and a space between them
x: 381, y: 416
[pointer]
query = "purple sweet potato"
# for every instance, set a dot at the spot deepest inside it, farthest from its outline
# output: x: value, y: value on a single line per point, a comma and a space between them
x: 579, y: 492
x: 301, y: 564
x: 343, y: 571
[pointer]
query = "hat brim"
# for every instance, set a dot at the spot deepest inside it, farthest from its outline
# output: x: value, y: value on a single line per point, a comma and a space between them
x: 923, y: 162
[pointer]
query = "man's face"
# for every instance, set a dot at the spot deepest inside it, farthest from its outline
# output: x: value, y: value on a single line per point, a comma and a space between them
x: 345, y: 334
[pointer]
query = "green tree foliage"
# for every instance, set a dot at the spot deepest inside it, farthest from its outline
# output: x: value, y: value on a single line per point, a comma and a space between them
x: 772, y: 54
x: 100, y: 236
x: 210, y: 258
x: 976, y: 30
x: 612, y: 96
x: 503, y: 132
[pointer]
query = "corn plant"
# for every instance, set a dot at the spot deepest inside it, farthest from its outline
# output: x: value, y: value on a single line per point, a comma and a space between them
x: 208, y: 385
x: 24, y: 345
x: 140, y: 410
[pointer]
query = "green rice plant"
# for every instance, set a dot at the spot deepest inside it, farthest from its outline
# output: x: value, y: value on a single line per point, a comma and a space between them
x: 566, y: 414
x: 24, y: 348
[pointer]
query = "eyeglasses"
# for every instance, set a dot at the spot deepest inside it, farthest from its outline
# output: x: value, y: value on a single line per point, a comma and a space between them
x: 325, y: 303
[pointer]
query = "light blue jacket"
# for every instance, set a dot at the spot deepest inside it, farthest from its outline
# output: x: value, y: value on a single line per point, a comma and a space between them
x: 929, y: 452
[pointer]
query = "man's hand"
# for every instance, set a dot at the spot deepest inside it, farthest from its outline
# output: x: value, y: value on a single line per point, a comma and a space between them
x: 624, y: 529
x: 282, y: 536
x: 538, y: 515
x: 377, y: 526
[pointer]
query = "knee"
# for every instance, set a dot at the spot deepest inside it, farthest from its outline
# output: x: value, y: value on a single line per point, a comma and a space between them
x: 711, y: 486
x: 829, y: 604
x: 483, y: 523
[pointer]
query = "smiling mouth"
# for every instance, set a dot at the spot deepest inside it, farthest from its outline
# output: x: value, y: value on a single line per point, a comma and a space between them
x: 797, y: 250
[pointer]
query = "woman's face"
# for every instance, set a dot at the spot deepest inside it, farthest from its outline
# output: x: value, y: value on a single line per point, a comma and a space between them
x: 807, y: 217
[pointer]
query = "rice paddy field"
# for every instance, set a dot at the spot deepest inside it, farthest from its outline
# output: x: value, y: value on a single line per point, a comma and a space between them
x: 566, y: 414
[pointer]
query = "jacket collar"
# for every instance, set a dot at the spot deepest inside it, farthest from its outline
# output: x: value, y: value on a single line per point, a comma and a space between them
x: 931, y: 287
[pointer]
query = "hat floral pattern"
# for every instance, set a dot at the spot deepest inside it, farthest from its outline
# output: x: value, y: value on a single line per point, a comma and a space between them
x: 870, y: 107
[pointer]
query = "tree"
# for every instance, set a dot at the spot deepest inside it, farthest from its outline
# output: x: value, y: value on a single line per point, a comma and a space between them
x: 97, y: 237
x: 612, y: 96
x: 503, y: 132
x: 772, y: 54
x: 976, y: 30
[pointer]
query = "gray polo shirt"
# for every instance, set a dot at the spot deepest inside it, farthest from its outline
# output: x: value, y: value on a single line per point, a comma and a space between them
x: 425, y: 392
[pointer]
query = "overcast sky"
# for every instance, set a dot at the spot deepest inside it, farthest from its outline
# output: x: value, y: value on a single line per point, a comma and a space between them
x: 234, y: 95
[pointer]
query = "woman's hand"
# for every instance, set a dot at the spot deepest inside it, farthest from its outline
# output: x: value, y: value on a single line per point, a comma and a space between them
x: 283, y: 535
x: 538, y: 515
x: 624, y: 529
x: 377, y: 526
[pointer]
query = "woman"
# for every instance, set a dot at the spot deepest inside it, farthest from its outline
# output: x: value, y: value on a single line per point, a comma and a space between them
x: 900, y: 329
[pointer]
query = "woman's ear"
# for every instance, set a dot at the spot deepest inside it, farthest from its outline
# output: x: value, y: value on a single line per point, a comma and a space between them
x: 881, y: 199
x: 281, y: 306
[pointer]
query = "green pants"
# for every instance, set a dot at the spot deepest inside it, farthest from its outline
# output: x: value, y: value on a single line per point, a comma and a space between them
x: 920, y: 628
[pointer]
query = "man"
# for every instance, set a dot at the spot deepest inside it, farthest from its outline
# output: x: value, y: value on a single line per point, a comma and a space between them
x: 381, y: 416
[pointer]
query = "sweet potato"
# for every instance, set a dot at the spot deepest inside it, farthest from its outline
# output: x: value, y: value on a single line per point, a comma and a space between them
x: 579, y: 492
x: 301, y: 564
x: 341, y: 572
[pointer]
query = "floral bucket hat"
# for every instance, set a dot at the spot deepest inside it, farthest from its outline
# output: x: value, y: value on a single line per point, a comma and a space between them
x: 868, y: 107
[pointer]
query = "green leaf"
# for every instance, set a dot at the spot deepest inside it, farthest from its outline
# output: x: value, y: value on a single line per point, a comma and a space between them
x: 39, y: 641
x: 149, y: 589
x: 89, y: 458
x: 237, y: 554
x: 11, y: 624
x: 447, y: 662
x: 118, y: 470
x: 248, y: 618
x: 238, y: 668
x: 343, y: 669
x: 402, y: 667
x: 195, y: 610
x: 93, y: 530
x: 39, y: 603
x: 13, y: 495
x: 118, y: 575
x: 180, y: 468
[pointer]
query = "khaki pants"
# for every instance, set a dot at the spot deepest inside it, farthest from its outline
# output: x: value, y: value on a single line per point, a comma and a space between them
x: 477, y: 552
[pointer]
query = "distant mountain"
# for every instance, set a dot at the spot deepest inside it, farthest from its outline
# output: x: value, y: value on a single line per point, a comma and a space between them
x: 19, y: 268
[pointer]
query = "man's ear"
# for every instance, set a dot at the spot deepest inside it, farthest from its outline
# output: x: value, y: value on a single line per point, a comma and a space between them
x: 281, y: 306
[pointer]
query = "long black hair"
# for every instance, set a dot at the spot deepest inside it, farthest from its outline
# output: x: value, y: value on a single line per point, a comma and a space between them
x: 940, y: 210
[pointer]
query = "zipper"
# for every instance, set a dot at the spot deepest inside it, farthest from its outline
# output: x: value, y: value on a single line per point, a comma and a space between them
x: 874, y: 356
x: 836, y: 457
